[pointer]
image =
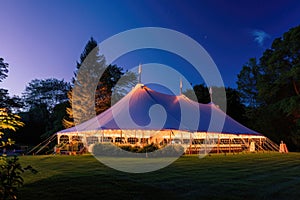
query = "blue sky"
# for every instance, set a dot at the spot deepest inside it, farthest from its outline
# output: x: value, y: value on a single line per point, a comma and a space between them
x: 44, y: 39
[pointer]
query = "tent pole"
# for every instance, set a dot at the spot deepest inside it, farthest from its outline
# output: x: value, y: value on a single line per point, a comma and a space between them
x: 102, y: 139
x: 135, y: 136
x: 218, y: 147
x: 205, y: 143
x: 248, y: 144
x: 181, y: 138
x: 190, y: 143
x: 229, y: 145
x: 58, y: 142
x: 260, y: 144
x: 121, y: 137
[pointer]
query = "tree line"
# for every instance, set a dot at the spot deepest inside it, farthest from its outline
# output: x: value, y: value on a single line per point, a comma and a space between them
x: 270, y: 89
x: 266, y: 98
x: 47, y: 105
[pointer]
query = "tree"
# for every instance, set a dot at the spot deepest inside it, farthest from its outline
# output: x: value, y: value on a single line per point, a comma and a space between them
x: 247, y: 83
x: 55, y: 119
x: 91, y: 64
x: 201, y: 92
x: 90, y: 100
x: 11, y: 103
x: 4, y: 98
x: 274, y: 84
x: 10, y: 169
x: 8, y: 121
x: 105, y: 87
x: 37, y: 120
x: 280, y: 66
x: 42, y: 97
x: 112, y: 86
x: 279, y: 84
x: 46, y: 91
x: 3, y: 69
x: 123, y: 86
x: 234, y: 107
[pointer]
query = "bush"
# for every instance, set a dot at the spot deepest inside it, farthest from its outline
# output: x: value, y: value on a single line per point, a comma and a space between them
x: 10, y: 177
x: 152, y: 150
x: 149, y: 148
x: 172, y: 150
x: 106, y: 149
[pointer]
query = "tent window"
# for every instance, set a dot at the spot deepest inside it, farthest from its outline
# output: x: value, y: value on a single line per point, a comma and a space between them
x: 198, y: 141
x: 77, y: 138
x: 176, y: 141
x: 119, y: 140
x: 132, y: 140
x: 144, y: 140
x: 225, y: 141
x: 186, y: 141
x: 92, y: 140
x: 64, y: 139
x: 106, y: 139
x: 237, y: 141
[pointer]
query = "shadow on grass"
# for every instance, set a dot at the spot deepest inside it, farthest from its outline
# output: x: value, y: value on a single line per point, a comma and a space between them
x: 244, y: 176
x: 92, y: 187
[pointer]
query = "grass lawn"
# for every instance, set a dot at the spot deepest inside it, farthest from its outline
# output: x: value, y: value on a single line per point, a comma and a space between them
x: 239, y: 176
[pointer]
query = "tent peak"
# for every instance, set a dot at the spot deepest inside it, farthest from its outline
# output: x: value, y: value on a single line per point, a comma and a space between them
x: 139, y: 85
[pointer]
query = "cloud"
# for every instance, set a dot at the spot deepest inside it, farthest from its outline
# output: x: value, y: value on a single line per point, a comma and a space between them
x: 260, y: 36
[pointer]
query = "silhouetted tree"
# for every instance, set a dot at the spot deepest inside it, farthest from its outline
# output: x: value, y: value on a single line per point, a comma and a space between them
x: 3, y: 69
x: 247, y: 83
x: 234, y: 107
x: 275, y: 83
x: 46, y: 91
x: 8, y: 120
x: 279, y: 85
x: 55, y: 120
x: 36, y: 122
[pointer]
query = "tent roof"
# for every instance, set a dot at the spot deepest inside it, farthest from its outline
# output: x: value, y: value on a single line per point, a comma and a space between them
x: 146, y: 109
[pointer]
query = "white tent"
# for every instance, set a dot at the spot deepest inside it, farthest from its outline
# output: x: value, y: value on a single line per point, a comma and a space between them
x: 211, y: 130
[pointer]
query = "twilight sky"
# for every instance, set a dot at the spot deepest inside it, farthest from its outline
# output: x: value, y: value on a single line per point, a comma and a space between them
x: 44, y: 39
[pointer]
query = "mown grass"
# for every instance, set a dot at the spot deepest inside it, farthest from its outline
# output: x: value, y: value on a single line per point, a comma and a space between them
x: 239, y: 176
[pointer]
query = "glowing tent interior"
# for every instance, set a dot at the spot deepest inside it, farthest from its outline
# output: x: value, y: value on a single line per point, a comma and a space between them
x: 146, y: 116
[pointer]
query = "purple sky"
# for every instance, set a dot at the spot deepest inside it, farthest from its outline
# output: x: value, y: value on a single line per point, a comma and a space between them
x: 44, y: 39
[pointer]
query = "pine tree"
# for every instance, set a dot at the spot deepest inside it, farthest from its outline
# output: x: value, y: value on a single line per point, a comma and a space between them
x: 85, y: 76
x: 89, y: 95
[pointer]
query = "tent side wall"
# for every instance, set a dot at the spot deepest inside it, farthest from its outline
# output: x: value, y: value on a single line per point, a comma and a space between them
x: 192, y: 142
